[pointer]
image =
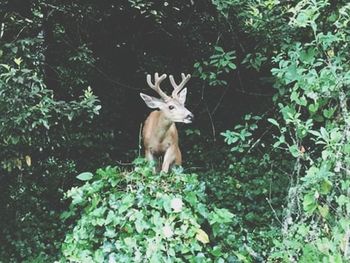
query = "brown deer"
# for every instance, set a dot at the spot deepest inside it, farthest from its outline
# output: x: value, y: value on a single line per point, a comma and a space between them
x: 160, y: 137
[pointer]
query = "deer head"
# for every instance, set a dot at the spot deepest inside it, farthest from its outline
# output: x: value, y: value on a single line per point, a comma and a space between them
x: 172, y: 107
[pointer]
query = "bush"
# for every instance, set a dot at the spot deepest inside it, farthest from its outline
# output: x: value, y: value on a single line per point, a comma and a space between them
x: 140, y: 216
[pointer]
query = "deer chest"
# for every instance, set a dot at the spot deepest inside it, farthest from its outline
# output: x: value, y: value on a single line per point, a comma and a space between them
x: 159, y: 148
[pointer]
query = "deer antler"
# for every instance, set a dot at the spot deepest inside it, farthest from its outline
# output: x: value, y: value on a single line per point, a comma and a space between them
x: 156, y: 85
x: 178, y: 88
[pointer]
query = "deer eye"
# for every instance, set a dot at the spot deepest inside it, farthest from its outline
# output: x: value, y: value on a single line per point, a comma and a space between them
x: 171, y: 107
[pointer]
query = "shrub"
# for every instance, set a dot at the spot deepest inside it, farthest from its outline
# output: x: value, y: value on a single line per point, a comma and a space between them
x: 140, y: 216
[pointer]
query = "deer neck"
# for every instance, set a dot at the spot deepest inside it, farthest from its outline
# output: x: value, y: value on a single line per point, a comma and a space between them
x: 163, y: 126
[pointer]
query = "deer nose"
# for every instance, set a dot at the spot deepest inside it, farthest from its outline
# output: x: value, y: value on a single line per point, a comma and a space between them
x: 190, y: 117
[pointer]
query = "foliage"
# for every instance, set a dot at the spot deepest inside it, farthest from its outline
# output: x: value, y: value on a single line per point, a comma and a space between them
x: 241, y: 137
x: 220, y: 62
x: 33, y: 127
x: 311, y: 70
x: 313, y: 83
x: 31, y: 229
x: 272, y: 77
x: 140, y: 216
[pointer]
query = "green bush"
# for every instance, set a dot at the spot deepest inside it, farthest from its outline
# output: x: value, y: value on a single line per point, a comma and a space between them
x: 140, y: 216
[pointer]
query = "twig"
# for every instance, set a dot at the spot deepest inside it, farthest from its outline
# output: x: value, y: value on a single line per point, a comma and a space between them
x: 220, y: 100
x: 211, y: 121
x: 274, y: 211
x: 259, y: 139
x: 253, y: 93
x: 19, y: 33
x: 140, y: 138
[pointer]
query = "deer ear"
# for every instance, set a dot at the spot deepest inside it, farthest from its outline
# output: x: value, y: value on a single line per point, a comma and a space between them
x: 152, y: 102
x: 182, y: 96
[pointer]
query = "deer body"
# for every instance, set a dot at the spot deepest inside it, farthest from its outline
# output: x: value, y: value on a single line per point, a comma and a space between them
x: 160, y: 137
x: 159, y: 134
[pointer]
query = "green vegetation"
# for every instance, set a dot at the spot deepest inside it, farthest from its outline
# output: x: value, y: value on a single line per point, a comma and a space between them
x: 140, y: 216
x: 266, y: 163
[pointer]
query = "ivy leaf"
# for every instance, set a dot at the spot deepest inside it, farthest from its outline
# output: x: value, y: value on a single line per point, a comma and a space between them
x: 86, y: 176
x: 328, y: 113
x: 202, y: 236
x: 18, y: 61
x: 126, y: 203
x: 309, y: 203
x: 313, y: 108
x: 139, y: 226
x: 324, y: 210
x: 326, y: 187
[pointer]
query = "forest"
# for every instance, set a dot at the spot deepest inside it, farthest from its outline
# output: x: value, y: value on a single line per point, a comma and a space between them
x: 265, y: 171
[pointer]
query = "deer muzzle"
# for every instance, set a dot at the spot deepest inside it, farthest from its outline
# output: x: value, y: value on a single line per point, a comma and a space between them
x: 189, y: 118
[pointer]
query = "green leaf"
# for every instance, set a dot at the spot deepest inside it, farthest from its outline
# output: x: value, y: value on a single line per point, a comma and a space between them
x: 347, y: 148
x: 324, y: 210
x: 294, y: 150
x: 232, y: 65
x: 202, y: 236
x: 326, y: 187
x: 18, y: 61
x: 126, y: 203
x: 139, y: 226
x: 219, y: 49
x: 328, y: 113
x: 273, y: 121
x: 313, y: 108
x: 86, y: 176
x: 309, y: 203
x: 324, y: 134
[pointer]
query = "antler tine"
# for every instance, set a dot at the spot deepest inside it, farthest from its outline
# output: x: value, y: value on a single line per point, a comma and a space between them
x: 178, y: 88
x: 156, y: 85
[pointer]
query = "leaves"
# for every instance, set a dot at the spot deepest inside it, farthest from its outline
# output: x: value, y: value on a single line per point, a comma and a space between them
x: 273, y: 121
x: 86, y: 176
x: 18, y: 61
x: 28, y: 160
x: 294, y: 150
x: 309, y: 203
x: 202, y: 236
x: 144, y: 213
x: 299, y: 164
x: 219, y: 63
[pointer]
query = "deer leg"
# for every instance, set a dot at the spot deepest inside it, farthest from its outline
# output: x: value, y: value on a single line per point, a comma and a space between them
x: 169, y: 158
x: 178, y: 157
x: 149, y: 156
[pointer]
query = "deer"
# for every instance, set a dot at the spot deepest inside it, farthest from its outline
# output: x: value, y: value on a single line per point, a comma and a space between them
x: 159, y: 134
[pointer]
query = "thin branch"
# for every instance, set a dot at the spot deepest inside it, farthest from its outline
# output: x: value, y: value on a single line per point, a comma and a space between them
x: 92, y: 65
x: 211, y: 120
x: 220, y: 100
x: 140, y: 138
x: 259, y: 139
x: 274, y: 211
x: 19, y: 33
x: 253, y: 93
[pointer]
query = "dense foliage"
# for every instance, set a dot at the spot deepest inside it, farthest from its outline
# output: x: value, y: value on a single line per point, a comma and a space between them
x: 271, y: 140
x: 142, y: 217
